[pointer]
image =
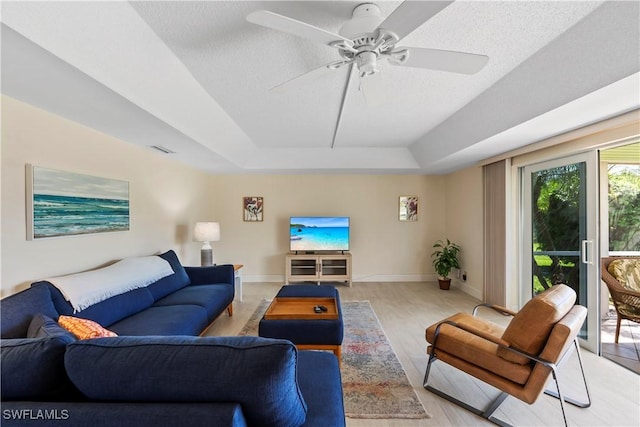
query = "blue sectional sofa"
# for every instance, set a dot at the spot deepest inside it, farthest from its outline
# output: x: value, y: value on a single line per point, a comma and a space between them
x: 184, y: 303
x: 157, y: 372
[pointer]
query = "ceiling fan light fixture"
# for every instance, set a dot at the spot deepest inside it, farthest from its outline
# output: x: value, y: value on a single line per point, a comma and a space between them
x: 367, y: 63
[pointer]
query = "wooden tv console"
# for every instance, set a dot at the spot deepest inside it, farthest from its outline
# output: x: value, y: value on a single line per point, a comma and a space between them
x: 318, y: 268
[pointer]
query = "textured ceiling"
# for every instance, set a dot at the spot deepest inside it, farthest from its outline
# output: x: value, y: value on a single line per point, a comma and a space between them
x: 195, y: 77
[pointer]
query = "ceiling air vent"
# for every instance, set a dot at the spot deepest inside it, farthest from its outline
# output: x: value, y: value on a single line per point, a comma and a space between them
x: 162, y: 149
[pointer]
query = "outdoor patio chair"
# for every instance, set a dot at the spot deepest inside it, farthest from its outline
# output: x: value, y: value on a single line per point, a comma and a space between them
x: 625, y: 300
x: 518, y: 359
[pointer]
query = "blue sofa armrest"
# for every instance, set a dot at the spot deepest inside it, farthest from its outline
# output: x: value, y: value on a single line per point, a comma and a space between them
x: 210, y: 275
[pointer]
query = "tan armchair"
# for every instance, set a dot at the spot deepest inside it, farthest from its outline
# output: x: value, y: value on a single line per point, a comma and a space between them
x: 517, y: 359
x: 626, y: 301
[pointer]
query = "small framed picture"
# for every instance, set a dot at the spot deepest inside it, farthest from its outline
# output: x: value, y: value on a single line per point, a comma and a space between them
x: 408, y: 208
x: 252, y: 208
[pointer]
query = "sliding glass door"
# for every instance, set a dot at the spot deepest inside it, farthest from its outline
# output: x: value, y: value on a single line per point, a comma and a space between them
x: 559, y: 232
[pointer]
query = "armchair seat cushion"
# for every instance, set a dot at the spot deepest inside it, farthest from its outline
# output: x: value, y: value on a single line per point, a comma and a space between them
x: 628, y: 310
x: 627, y: 272
x: 474, y: 349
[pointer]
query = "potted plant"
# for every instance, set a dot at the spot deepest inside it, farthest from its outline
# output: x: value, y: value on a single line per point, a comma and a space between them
x: 445, y: 258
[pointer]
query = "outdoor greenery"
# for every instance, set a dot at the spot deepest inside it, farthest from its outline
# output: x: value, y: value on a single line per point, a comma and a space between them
x: 624, y: 208
x: 556, y: 225
x: 556, y: 220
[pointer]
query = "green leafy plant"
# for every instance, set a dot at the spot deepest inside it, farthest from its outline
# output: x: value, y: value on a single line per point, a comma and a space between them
x: 445, y: 257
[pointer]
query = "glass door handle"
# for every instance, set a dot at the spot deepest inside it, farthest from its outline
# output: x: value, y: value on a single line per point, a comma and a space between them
x: 586, y: 259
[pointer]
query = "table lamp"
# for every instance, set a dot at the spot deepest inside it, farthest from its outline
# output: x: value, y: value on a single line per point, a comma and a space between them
x: 206, y: 232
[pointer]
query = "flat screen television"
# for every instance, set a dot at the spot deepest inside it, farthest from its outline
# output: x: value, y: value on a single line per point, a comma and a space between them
x: 319, y: 233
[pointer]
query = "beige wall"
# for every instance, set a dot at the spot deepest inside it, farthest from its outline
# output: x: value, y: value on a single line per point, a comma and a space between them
x: 165, y: 197
x: 464, y: 225
x: 383, y: 248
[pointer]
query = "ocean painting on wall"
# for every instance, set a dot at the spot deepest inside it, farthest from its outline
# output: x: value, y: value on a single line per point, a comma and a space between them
x: 64, y: 203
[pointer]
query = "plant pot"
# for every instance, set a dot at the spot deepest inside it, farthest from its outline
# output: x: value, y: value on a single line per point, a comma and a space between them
x: 445, y: 284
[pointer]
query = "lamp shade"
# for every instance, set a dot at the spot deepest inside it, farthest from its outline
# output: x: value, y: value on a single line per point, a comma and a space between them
x: 206, y: 232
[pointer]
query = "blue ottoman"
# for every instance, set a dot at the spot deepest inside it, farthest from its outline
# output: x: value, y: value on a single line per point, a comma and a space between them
x: 307, y: 334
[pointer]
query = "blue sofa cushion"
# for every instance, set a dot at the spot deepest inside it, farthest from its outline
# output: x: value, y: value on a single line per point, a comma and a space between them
x: 258, y: 373
x: 322, y: 392
x: 17, y: 310
x: 33, y: 368
x: 213, y: 298
x: 169, y: 320
x: 42, y: 326
x: 105, y: 312
x: 179, y: 279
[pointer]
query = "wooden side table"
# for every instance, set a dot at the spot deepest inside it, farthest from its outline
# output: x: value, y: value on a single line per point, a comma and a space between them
x: 237, y: 276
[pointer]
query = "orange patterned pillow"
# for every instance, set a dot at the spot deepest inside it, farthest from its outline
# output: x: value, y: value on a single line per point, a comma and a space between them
x: 84, y: 328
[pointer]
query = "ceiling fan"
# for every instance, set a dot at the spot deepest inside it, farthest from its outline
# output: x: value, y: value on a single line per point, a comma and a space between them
x: 366, y: 41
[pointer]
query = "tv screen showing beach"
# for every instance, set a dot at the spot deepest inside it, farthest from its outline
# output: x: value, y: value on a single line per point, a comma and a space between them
x: 319, y: 233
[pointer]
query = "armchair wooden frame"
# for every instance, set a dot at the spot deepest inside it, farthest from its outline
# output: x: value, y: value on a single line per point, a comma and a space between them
x: 621, y: 296
x: 488, y: 412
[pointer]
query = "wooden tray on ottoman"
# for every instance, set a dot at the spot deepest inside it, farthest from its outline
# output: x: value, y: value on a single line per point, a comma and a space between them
x: 301, y: 308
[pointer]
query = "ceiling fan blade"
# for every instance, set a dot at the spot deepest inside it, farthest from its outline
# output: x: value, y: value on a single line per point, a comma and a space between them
x: 303, y: 79
x: 295, y: 27
x: 410, y: 15
x: 444, y: 60
x: 350, y: 76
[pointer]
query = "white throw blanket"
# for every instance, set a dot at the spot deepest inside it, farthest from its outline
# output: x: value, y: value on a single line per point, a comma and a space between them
x: 91, y: 287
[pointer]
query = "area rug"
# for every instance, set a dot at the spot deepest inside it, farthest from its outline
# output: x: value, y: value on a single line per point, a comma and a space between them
x: 375, y: 384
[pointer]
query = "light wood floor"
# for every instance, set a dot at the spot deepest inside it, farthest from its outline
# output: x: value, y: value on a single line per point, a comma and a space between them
x: 406, y: 309
x: 627, y: 351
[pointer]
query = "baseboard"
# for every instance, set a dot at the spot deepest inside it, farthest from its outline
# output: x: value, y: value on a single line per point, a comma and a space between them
x: 463, y: 286
x: 370, y: 278
x: 396, y: 278
x: 467, y: 289
x: 276, y: 278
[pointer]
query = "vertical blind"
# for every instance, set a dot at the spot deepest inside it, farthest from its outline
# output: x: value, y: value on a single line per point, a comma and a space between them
x: 494, y: 177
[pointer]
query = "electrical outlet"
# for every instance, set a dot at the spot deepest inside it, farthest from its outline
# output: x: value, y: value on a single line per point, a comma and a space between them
x: 464, y: 276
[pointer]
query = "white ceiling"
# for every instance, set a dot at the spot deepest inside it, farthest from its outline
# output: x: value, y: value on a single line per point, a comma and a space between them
x: 194, y: 77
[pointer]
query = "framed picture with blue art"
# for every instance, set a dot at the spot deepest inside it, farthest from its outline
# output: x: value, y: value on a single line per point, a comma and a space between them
x: 61, y: 203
